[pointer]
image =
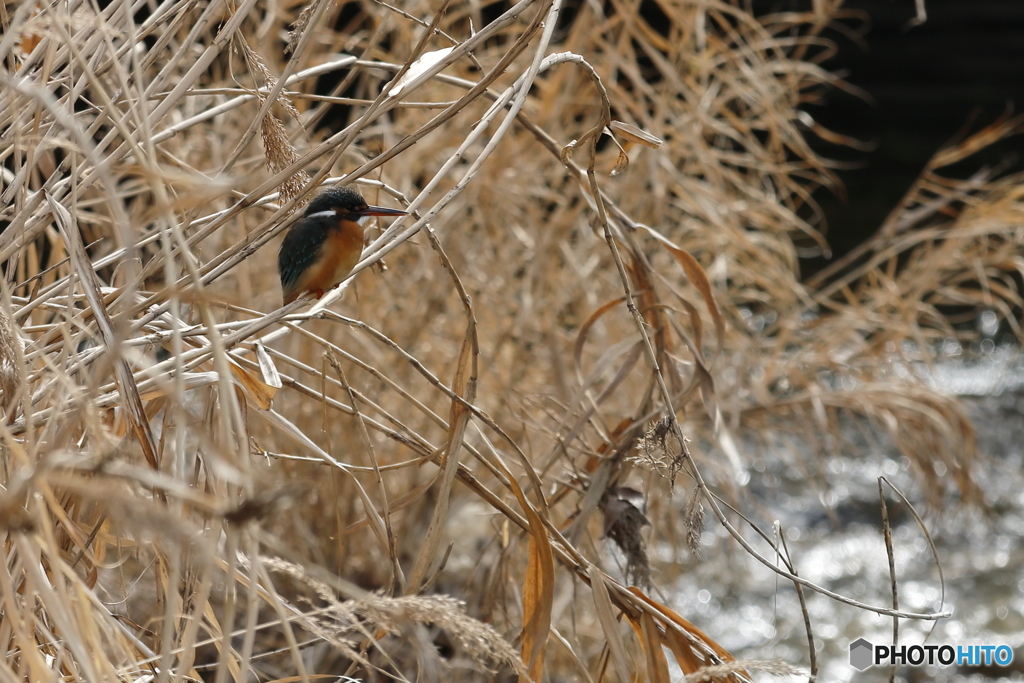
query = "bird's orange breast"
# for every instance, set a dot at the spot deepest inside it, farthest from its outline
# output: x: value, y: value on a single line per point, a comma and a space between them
x: 338, y: 255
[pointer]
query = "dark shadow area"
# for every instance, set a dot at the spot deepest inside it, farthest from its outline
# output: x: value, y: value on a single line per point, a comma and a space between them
x: 956, y: 73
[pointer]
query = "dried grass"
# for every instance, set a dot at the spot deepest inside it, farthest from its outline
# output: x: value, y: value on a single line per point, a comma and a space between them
x: 200, y: 484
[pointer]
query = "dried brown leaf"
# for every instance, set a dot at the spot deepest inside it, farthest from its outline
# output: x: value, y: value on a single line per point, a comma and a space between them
x: 630, y: 132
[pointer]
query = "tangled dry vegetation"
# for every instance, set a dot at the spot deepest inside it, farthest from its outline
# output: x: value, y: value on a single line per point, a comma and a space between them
x: 415, y: 479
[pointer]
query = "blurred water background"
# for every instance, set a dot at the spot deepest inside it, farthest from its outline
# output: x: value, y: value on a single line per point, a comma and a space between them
x: 834, y: 534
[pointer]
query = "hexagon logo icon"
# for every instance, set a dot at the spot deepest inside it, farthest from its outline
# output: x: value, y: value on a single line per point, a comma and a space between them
x: 860, y: 654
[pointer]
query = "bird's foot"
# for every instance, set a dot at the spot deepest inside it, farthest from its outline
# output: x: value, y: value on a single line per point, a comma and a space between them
x: 319, y: 294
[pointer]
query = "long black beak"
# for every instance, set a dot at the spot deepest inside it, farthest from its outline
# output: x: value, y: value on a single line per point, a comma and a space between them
x: 381, y: 211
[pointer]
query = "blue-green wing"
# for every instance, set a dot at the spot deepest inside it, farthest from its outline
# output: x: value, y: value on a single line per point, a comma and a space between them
x: 299, y: 250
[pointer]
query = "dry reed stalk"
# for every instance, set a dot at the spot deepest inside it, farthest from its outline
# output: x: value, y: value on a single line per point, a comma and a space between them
x: 197, y: 480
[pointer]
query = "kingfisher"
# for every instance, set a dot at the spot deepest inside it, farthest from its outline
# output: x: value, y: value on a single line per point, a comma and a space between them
x: 323, y: 247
